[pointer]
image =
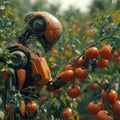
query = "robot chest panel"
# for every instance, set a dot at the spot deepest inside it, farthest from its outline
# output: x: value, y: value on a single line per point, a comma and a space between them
x: 40, y: 70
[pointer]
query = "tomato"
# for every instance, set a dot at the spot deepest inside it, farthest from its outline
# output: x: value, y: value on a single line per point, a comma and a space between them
x: 105, y: 84
x: 22, y: 107
x: 73, y: 91
x: 113, y: 96
x: 67, y: 75
x: 70, y: 67
x: 91, y: 53
x: 94, y: 86
x: 115, y: 54
x: 42, y: 99
x: 81, y: 73
x: 102, y: 63
x: 116, y: 107
x: 94, y: 108
x: 103, y: 115
x: 55, y: 53
x: 67, y: 113
x: 110, y: 96
x: 76, y: 116
x: 32, y: 106
x: 104, y: 96
x: 105, y: 52
x: 80, y: 62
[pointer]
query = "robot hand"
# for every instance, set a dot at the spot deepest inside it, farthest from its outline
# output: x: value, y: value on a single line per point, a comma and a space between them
x: 56, y: 83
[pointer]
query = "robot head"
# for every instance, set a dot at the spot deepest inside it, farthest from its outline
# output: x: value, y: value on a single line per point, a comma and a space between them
x: 45, y: 26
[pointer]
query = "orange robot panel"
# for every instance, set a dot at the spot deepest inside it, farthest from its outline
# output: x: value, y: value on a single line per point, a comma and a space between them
x: 40, y: 70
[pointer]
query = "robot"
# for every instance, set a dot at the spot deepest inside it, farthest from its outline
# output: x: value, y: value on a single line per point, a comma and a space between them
x: 27, y: 67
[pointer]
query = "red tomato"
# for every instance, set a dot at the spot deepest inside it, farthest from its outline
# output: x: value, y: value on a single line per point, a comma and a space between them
x: 70, y: 67
x: 67, y: 113
x: 104, y: 96
x: 94, y: 86
x: 32, y: 107
x: 116, y: 107
x: 91, y: 53
x: 103, y: 115
x: 94, y: 108
x: 66, y: 76
x: 102, y: 63
x: 81, y: 73
x: 110, y: 96
x: 113, y: 96
x: 80, y: 62
x: 105, y: 84
x: 73, y: 91
x: 105, y: 52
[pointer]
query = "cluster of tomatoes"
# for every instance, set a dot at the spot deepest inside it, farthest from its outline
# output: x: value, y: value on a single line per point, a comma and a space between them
x: 108, y: 106
x: 81, y: 66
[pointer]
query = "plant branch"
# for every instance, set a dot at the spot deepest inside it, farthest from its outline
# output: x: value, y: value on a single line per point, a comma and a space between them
x: 104, y: 38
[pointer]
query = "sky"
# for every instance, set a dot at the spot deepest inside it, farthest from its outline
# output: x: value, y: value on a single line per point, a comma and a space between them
x: 80, y: 4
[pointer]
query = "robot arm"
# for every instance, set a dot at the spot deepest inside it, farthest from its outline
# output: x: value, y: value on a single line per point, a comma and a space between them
x: 19, y: 59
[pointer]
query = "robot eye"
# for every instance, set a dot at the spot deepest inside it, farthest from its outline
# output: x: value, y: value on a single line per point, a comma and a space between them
x: 38, y: 25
